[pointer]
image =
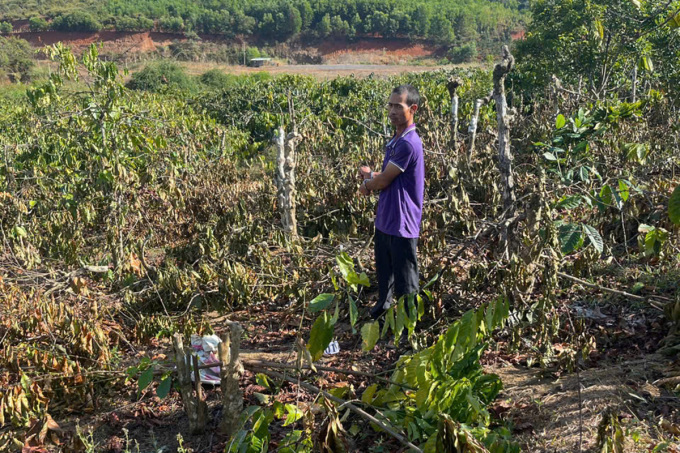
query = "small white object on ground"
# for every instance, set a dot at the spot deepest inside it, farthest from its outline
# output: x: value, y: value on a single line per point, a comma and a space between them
x: 333, y: 348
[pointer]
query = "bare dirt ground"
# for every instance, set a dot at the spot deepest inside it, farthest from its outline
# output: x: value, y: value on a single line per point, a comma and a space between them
x: 111, y: 40
x: 379, y: 51
x: 320, y: 71
x: 546, y: 412
x: 549, y: 414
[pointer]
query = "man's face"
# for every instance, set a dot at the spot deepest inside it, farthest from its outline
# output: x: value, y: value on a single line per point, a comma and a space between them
x: 399, y: 112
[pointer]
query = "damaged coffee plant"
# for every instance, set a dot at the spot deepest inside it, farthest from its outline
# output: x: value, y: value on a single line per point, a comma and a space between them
x: 152, y: 238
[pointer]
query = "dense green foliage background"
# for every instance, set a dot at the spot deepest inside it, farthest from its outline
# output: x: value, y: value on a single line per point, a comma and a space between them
x: 598, y: 45
x: 278, y: 20
x: 16, y: 59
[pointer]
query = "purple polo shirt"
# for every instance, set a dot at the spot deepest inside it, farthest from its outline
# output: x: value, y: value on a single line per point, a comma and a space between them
x: 400, y: 205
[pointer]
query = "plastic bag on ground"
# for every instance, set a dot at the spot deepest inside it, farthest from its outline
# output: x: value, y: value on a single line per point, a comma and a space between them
x: 206, y: 349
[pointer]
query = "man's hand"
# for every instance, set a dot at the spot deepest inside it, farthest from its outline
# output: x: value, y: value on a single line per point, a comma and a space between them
x: 365, y: 172
x: 363, y: 190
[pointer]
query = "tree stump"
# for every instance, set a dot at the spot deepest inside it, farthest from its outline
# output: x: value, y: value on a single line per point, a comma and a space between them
x: 230, y: 373
x: 452, y: 85
x: 194, y: 406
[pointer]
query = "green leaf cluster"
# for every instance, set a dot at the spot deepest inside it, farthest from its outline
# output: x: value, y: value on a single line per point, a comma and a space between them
x: 256, y: 439
x: 572, y: 237
x: 651, y: 240
x: 346, y: 265
x: 144, y: 373
x: 674, y: 206
x: 445, y: 379
x: 322, y: 330
x: 16, y: 58
x: 160, y: 76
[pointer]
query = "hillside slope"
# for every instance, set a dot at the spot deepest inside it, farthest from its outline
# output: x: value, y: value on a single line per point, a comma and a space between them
x: 464, y: 26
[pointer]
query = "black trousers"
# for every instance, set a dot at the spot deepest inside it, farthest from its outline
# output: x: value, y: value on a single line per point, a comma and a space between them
x: 396, y: 263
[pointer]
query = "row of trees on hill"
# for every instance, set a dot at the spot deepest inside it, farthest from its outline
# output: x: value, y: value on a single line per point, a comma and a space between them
x: 280, y: 20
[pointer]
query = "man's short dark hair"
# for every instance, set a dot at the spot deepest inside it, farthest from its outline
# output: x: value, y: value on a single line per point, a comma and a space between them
x: 412, y: 95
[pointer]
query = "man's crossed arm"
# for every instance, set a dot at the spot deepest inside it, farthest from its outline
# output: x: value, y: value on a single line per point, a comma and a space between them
x: 378, y: 181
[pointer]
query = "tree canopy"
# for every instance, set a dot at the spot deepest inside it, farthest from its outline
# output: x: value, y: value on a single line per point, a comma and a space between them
x: 279, y: 20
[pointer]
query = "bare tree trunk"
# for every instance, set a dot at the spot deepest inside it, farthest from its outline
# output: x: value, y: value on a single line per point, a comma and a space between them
x: 285, y: 180
x: 452, y: 86
x: 634, y: 82
x: 230, y: 373
x: 500, y: 72
x: 472, y: 129
x: 195, y: 408
x: 473, y: 122
x: 291, y: 141
x: 223, y: 143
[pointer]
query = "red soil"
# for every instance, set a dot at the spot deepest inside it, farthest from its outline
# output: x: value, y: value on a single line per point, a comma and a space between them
x: 393, y: 47
x: 112, y: 40
x: 146, y: 42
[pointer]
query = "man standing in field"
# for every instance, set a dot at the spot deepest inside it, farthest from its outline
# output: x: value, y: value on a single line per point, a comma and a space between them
x: 401, y: 184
